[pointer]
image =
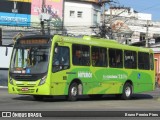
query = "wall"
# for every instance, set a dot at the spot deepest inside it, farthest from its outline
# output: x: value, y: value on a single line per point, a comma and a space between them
x: 5, y: 60
x: 75, y: 21
x: 144, y: 16
x: 81, y: 25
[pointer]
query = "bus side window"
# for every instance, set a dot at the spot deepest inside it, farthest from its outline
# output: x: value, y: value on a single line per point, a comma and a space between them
x: 61, y: 59
x: 115, y: 58
x: 143, y: 61
x: 99, y: 56
x: 65, y: 57
x: 81, y: 55
x: 130, y: 59
x: 77, y: 56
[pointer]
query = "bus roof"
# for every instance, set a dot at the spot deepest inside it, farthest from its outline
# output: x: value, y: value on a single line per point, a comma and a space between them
x: 89, y: 40
x: 101, y: 42
x: 35, y: 37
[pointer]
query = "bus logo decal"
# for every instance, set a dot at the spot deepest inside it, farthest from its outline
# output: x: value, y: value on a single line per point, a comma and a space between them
x: 84, y: 75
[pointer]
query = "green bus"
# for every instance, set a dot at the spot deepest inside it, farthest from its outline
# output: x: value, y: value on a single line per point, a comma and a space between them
x: 44, y: 66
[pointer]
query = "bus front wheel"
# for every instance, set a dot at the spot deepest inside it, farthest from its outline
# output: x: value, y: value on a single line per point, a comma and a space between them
x: 73, y: 92
x: 127, y: 91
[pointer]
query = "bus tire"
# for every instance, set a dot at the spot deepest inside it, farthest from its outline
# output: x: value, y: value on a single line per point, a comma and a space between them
x: 38, y: 97
x: 73, y: 92
x: 127, y: 91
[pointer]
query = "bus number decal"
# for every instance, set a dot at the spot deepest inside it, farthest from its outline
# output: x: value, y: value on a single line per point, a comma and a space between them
x: 119, y: 76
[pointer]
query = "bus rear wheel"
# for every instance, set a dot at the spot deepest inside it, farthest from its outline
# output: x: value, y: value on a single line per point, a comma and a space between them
x: 127, y: 91
x: 73, y: 92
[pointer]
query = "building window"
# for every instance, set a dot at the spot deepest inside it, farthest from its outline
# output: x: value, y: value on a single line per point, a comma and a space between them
x: 95, y: 17
x: 79, y: 14
x: 142, y: 36
x: 72, y: 13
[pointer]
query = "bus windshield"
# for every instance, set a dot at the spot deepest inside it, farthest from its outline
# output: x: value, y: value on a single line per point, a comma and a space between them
x: 30, y: 59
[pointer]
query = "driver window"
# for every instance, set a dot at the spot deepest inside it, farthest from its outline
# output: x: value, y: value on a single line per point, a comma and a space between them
x: 61, y: 58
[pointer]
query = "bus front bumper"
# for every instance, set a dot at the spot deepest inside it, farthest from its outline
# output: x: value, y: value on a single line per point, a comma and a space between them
x: 29, y: 90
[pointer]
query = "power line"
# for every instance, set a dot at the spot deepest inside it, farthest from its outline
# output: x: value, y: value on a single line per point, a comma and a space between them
x: 149, y: 7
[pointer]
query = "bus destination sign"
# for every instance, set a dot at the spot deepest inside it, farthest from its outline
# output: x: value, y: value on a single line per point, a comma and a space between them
x: 33, y: 41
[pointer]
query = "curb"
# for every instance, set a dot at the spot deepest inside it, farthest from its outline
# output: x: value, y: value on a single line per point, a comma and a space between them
x: 4, y: 87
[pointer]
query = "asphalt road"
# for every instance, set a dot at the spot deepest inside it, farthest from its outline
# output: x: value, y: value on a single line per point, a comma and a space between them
x: 149, y: 101
x: 145, y: 101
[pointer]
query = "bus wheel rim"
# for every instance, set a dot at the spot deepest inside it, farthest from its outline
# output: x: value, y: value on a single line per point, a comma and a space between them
x: 128, y: 91
x: 74, y: 91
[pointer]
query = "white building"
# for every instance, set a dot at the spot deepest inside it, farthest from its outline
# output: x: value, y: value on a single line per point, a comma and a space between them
x: 131, y: 25
x: 79, y: 16
x: 128, y: 12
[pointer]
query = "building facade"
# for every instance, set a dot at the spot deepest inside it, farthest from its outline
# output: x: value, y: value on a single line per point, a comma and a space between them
x: 80, y: 16
x: 28, y: 17
x: 75, y: 17
x: 132, y: 26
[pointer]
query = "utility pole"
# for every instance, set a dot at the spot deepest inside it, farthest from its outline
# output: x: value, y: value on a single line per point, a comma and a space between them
x: 103, y: 22
x: 42, y: 20
x: 110, y: 19
x: 147, y: 33
x: 103, y: 27
x: 63, y: 17
x: 48, y: 26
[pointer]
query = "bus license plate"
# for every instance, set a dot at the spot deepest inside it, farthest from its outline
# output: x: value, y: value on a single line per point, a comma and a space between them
x: 24, y: 89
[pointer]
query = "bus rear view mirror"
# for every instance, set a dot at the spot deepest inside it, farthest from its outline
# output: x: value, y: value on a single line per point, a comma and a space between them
x: 6, y: 52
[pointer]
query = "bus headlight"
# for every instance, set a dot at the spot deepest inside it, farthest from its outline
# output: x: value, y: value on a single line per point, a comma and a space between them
x: 11, y: 80
x: 43, y: 80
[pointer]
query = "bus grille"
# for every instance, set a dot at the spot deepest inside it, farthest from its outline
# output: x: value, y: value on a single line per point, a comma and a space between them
x: 25, y: 78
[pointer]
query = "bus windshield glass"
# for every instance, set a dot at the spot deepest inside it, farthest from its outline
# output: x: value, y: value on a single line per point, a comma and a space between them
x: 30, y: 59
